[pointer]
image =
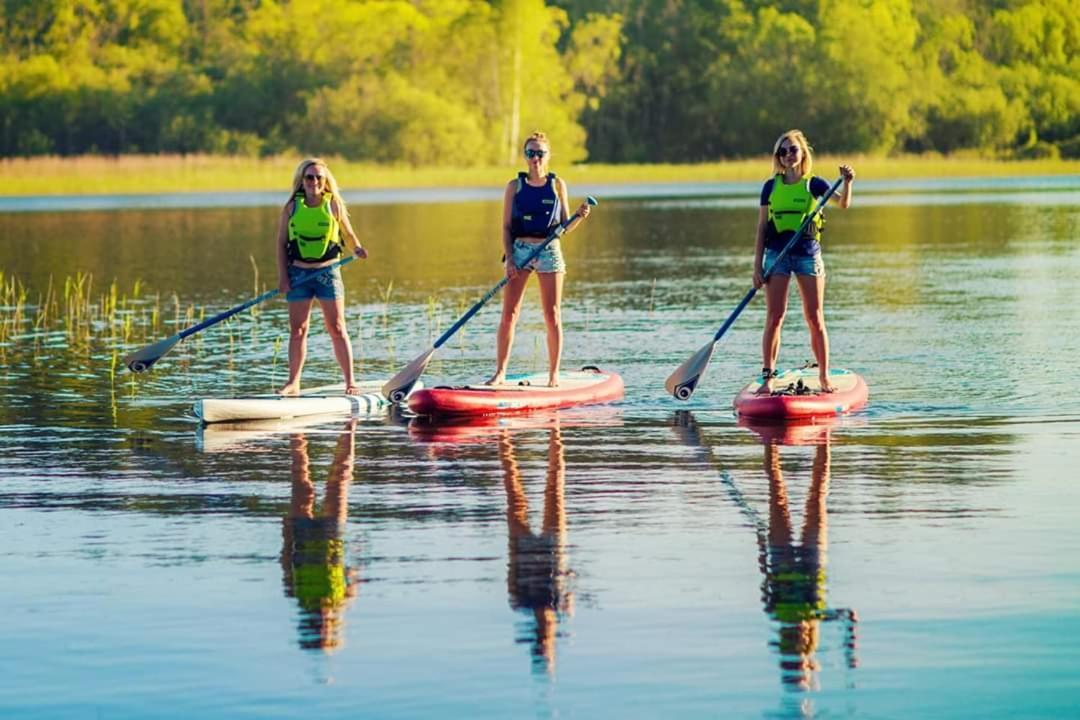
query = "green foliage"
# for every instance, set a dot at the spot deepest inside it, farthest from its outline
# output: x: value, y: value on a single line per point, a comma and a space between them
x: 461, y: 82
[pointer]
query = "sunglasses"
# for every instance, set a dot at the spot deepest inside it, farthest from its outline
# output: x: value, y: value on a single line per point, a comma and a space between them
x: 789, y: 150
x: 530, y: 153
x: 312, y: 178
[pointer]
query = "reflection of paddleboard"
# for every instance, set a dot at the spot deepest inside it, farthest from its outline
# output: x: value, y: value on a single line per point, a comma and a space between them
x: 797, y: 393
x: 482, y: 428
x: 329, y: 400
x: 520, y: 393
x: 252, y: 435
x: 800, y: 431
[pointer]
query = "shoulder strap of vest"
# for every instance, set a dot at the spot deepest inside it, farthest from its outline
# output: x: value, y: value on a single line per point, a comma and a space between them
x: 777, y: 181
x: 521, y: 181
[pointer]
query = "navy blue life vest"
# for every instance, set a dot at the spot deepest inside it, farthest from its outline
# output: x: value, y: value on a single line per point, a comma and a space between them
x: 536, y: 210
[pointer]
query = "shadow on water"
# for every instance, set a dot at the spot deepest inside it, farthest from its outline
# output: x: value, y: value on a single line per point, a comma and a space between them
x: 792, y: 560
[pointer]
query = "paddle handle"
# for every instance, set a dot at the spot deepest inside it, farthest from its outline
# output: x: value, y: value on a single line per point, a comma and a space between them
x: 261, y: 298
x: 554, y: 235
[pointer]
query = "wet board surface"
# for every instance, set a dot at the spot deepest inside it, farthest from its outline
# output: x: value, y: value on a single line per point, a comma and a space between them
x: 796, y: 393
x: 520, y: 393
x: 325, y: 400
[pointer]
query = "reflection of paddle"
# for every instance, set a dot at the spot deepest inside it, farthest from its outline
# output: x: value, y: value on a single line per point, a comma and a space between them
x: 682, y: 383
x: 687, y: 429
x: 141, y: 360
x: 398, y: 387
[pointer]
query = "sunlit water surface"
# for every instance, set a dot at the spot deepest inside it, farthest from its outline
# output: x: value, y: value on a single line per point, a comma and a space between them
x: 920, y: 558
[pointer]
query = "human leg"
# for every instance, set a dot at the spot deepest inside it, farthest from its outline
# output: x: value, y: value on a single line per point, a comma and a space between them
x: 504, y: 336
x: 334, y: 318
x: 776, y: 293
x: 551, y: 284
x: 299, y: 314
x: 812, y: 289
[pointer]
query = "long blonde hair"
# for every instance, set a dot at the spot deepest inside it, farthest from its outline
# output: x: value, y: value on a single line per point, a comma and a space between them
x: 794, y: 137
x: 331, y: 183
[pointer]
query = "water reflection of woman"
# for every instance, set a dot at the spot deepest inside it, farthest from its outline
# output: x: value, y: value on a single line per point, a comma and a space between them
x: 313, y: 548
x: 793, y: 589
x: 794, y: 580
x: 538, y: 577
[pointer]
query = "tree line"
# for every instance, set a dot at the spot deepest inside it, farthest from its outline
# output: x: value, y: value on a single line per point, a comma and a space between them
x: 461, y: 82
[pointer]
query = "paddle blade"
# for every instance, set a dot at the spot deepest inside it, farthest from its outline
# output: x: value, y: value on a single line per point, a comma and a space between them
x: 141, y: 360
x: 397, y: 388
x: 682, y: 383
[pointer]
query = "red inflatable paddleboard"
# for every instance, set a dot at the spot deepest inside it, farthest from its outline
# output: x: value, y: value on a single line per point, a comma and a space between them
x: 520, y: 393
x: 797, y: 393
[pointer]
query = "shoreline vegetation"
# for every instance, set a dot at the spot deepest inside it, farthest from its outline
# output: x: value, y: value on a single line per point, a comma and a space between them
x: 152, y: 174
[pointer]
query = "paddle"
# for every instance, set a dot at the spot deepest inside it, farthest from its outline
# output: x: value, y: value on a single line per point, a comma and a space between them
x: 141, y: 360
x: 686, y: 377
x: 397, y: 388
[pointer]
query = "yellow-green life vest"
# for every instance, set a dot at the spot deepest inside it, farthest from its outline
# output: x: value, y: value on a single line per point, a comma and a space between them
x: 314, y: 233
x: 788, y: 207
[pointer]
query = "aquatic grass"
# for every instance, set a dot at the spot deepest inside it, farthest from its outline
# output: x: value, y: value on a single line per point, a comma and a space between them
x: 273, y: 361
x: 88, y: 323
x: 459, y: 311
x: 255, y: 310
x: 433, y: 317
x: 385, y: 293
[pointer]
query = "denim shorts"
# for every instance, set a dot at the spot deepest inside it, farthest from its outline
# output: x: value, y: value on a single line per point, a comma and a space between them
x: 327, y: 286
x: 812, y: 265
x: 550, y: 259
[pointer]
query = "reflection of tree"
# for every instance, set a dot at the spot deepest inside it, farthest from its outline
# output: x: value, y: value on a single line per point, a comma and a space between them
x: 793, y: 589
x: 537, y: 576
x: 313, y: 548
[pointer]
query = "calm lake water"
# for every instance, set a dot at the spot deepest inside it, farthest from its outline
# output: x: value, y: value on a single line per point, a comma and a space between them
x: 920, y: 558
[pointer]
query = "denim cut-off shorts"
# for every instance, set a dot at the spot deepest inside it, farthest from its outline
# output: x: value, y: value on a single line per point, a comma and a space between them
x: 325, y: 286
x: 550, y: 259
x: 812, y: 265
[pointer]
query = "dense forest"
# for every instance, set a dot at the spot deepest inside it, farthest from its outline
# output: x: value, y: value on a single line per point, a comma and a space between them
x: 460, y: 82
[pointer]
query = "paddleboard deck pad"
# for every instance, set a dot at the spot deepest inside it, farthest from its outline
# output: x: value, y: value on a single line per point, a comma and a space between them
x: 520, y: 393
x: 796, y: 393
x: 329, y: 400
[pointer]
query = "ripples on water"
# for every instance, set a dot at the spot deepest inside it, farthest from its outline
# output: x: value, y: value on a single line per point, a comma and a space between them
x: 919, y: 557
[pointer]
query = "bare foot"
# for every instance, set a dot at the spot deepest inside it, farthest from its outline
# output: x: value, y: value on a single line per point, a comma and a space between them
x: 766, y: 388
x: 496, y: 379
x: 290, y: 389
x: 826, y: 386
x: 553, y: 380
x: 353, y: 389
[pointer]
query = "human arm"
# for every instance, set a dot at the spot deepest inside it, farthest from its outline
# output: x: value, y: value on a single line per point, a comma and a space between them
x: 580, y: 214
x: 347, y: 232
x: 843, y: 199
x: 280, y: 242
x: 759, y: 246
x: 507, y: 229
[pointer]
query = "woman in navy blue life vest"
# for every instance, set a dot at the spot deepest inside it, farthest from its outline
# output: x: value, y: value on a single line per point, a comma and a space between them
x: 786, y: 198
x: 534, y: 204
x: 312, y: 233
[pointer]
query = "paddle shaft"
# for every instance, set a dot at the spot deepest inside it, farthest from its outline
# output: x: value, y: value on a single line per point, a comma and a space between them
x: 255, y: 301
x: 555, y: 234
x: 790, y: 244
